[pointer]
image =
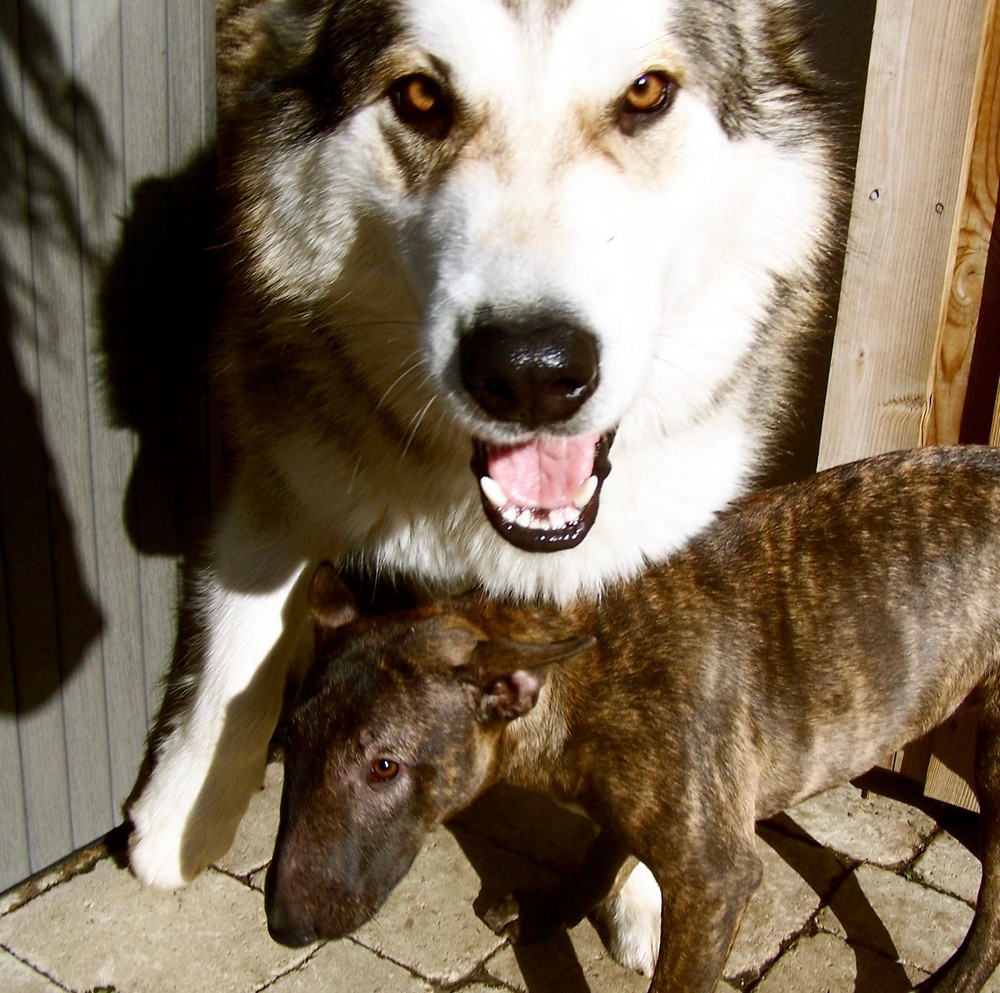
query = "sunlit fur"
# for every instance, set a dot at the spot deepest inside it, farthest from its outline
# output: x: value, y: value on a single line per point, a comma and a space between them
x: 695, y: 249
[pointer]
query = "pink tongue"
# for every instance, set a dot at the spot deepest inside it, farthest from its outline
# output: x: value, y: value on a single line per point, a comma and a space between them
x: 545, y: 472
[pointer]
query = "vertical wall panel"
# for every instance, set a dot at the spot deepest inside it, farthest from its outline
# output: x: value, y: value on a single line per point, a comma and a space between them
x: 110, y: 105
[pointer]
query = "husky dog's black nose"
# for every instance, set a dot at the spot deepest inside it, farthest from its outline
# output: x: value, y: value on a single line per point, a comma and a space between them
x: 530, y: 372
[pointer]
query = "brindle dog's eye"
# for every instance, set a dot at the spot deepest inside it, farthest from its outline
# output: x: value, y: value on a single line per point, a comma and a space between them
x: 649, y: 96
x: 383, y: 770
x: 421, y: 104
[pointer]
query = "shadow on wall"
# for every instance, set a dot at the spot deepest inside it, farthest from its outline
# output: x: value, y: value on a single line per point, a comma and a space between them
x: 158, y: 302
x: 49, y: 618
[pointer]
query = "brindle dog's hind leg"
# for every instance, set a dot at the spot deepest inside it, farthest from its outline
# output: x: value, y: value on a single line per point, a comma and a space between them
x: 979, y: 954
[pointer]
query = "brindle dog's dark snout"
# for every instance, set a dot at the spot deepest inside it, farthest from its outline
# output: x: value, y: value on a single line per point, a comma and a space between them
x: 529, y: 371
x: 285, y: 921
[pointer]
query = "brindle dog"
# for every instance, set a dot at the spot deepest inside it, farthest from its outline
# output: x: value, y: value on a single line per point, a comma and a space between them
x: 806, y: 634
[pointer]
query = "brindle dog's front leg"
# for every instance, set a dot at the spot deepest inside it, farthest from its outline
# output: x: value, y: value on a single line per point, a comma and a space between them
x: 704, y: 896
x: 532, y: 916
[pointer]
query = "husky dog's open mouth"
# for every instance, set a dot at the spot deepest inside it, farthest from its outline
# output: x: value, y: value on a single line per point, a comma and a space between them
x: 542, y: 495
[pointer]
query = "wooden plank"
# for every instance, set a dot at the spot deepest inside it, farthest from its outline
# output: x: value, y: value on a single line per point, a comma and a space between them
x: 910, y: 179
x: 103, y: 95
x: 952, y: 764
x: 17, y: 423
x: 168, y: 182
x: 65, y: 406
x: 924, y: 199
x: 961, y: 305
x: 950, y: 768
x: 29, y: 500
x: 115, y: 740
x: 151, y: 507
x: 15, y: 858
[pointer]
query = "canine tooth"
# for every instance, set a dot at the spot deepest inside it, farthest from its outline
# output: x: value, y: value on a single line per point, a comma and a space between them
x: 493, y: 492
x: 586, y: 493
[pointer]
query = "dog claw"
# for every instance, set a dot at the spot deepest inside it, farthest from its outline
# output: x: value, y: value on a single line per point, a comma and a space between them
x: 526, y: 918
x: 503, y: 918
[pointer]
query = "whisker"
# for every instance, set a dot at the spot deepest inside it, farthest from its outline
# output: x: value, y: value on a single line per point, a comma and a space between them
x: 413, y: 366
x: 416, y: 426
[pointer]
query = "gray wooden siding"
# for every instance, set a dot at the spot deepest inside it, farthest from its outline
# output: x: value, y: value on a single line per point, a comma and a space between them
x: 105, y: 107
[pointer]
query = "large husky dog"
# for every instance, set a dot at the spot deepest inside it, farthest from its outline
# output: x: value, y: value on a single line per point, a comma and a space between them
x: 494, y: 262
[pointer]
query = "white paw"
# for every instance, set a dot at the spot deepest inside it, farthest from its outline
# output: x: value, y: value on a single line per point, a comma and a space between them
x: 188, y: 812
x: 632, y: 921
x: 169, y: 845
x: 156, y: 845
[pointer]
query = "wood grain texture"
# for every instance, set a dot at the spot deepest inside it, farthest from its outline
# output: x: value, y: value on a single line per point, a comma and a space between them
x: 99, y: 99
x: 910, y: 183
x: 919, y: 237
x: 962, y: 301
x: 950, y: 769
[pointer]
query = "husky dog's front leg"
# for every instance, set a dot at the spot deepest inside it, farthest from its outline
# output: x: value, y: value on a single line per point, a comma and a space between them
x: 212, y: 749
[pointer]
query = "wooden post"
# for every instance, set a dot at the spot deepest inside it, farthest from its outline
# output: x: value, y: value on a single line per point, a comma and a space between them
x: 920, y: 231
x: 964, y: 293
x: 925, y: 78
x: 950, y: 766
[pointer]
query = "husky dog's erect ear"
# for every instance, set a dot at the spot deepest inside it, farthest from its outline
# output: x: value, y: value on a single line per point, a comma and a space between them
x: 511, y: 674
x: 330, y: 601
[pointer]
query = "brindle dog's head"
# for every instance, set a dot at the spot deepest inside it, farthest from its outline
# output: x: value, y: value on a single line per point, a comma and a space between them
x: 396, y: 730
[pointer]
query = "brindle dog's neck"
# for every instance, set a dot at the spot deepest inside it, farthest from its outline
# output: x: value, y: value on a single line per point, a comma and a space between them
x: 534, y: 752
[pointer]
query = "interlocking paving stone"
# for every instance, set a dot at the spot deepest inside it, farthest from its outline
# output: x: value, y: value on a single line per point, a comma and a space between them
x: 797, y: 876
x: 574, y: 962
x: 254, y: 842
x: 103, y: 929
x: 823, y: 963
x: 864, y: 826
x: 344, y: 967
x: 429, y: 923
x: 896, y: 917
x: 100, y: 928
x: 16, y: 977
x: 948, y: 865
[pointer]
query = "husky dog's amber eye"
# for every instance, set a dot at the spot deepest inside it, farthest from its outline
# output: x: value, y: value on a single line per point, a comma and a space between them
x: 648, y: 96
x: 383, y: 770
x: 420, y: 103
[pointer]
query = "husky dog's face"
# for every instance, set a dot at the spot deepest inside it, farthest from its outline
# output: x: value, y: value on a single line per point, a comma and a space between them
x: 572, y: 212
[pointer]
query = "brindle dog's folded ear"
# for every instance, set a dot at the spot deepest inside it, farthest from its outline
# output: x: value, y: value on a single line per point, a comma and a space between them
x: 330, y: 601
x: 511, y: 674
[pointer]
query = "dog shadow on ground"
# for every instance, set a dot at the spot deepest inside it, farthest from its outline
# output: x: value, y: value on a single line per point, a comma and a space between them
x: 517, y: 840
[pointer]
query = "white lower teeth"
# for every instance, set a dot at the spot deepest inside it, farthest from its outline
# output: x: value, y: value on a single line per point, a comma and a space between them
x: 538, y: 520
